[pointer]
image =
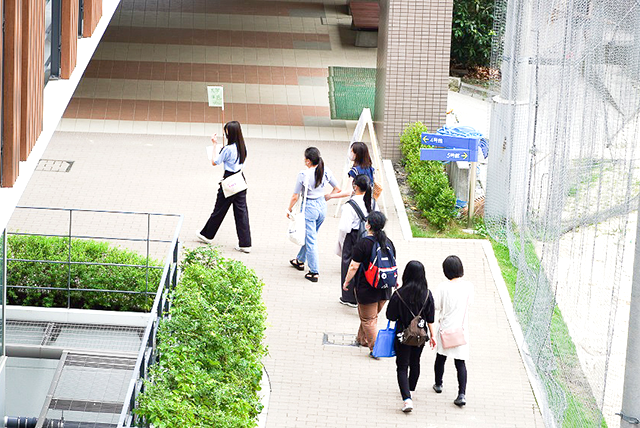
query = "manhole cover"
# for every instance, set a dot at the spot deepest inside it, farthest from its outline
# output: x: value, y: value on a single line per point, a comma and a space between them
x: 52, y: 165
x: 339, y: 339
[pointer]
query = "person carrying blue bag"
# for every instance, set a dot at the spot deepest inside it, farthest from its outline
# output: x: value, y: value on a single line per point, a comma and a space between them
x: 412, y: 307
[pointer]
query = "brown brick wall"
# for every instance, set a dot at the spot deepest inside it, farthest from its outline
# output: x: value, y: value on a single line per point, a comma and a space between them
x: 413, y: 67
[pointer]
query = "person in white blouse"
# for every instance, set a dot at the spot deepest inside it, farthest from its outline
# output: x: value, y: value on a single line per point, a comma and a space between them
x: 349, y: 230
x: 452, y: 300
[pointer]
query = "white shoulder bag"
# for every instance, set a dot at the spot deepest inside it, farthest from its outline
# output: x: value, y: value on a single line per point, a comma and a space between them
x: 233, y: 184
x: 297, y: 227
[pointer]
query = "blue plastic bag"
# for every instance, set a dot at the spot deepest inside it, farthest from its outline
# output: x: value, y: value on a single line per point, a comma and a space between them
x: 384, y: 347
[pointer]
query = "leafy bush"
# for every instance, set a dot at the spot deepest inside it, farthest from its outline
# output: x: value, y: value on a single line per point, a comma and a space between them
x: 472, y: 32
x: 210, y: 348
x: 30, y: 274
x: 433, y: 195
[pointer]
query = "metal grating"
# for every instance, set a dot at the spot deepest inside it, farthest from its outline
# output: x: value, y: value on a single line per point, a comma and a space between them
x: 52, y: 165
x: 339, y: 339
x: 75, y: 336
x: 88, y: 390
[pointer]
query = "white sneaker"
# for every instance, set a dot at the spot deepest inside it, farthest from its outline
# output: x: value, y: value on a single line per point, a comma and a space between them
x: 408, y: 405
x: 203, y: 238
x: 243, y: 249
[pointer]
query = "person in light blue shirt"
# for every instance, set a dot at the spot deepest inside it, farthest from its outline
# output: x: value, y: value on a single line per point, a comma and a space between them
x: 232, y: 157
x: 312, y: 180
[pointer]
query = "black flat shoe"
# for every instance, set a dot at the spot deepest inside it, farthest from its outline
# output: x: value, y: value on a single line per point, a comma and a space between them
x: 297, y: 264
x: 311, y: 276
x: 437, y: 388
x: 460, y: 401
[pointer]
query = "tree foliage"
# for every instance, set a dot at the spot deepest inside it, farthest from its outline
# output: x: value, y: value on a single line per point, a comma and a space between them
x: 472, y: 32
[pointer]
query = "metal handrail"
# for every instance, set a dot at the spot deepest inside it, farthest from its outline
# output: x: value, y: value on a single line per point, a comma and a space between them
x: 70, y: 236
x: 147, y: 354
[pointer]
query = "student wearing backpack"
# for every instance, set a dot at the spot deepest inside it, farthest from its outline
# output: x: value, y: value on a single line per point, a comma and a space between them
x: 371, y: 296
x: 412, y: 301
x: 452, y: 299
x: 351, y: 228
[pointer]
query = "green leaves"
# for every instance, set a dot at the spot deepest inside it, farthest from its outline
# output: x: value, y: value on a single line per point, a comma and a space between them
x: 433, y: 195
x: 472, y: 32
x: 82, y: 276
x: 210, y: 348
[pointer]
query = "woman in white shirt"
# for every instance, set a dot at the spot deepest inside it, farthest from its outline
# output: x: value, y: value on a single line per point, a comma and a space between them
x: 312, y: 181
x: 452, y: 300
x: 232, y: 157
x: 349, y: 230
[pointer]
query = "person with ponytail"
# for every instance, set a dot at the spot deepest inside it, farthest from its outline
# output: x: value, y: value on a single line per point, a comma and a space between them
x: 411, y: 300
x: 232, y: 156
x: 312, y: 181
x: 349, y: 231
x: 370, y: 300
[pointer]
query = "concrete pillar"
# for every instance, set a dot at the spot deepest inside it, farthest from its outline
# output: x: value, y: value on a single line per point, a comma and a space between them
x: 414, y: 45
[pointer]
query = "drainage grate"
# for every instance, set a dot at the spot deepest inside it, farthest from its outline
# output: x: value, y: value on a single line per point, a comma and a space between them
x: 52, y: 165
x: 339, y: 339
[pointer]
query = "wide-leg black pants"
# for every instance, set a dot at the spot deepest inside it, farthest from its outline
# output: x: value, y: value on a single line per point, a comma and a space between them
x: 347, y: 255
x: 240, y: 214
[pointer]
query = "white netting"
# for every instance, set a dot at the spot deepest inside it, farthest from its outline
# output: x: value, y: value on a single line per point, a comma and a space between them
x: 562, y: 191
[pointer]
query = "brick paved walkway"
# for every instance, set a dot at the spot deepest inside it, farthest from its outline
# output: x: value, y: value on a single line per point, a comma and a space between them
x: 313, y: 384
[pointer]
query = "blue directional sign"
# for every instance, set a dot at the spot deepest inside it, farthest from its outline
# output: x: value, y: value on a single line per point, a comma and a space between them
x: 445, y: 155
x: 454, y: 148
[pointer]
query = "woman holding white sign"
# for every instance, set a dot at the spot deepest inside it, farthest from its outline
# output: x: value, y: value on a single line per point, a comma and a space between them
x: 232, y: 190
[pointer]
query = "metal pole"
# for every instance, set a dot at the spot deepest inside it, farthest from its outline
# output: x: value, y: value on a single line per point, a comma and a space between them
x: 69, y: 262
x: 630, y: 412
x: 3, y: 292
x: 472, y: 193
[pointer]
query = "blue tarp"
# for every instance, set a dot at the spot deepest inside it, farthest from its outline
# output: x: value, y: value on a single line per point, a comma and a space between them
x: 466, y: 131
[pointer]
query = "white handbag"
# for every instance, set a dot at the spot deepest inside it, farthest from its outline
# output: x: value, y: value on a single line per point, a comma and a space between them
x: 297, y: 227
x: 233, y: 184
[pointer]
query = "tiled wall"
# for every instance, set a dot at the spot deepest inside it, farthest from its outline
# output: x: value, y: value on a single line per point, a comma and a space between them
x: 413, y: 63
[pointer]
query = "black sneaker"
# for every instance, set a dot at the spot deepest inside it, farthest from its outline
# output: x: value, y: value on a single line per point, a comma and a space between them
x: 351, y: 305
x: 460, y: 401
x: 437, y: 388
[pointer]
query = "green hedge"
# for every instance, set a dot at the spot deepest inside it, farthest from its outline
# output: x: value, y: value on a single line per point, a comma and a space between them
x: 433, y: 195
x: 82, y: 276
x: 210, y: 348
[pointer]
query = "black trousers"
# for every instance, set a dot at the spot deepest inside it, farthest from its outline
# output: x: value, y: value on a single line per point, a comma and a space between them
x: 240, y: 214
x: 461, y: 368
x: 347, y: 254
x: 407, y: 367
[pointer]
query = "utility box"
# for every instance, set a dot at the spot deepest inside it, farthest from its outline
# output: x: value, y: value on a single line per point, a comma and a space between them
x: 458, y: 173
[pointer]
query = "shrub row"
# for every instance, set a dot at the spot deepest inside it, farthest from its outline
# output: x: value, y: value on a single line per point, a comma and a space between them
x: 210, y: 348
x: 30, y: 274
x: 434, y: 197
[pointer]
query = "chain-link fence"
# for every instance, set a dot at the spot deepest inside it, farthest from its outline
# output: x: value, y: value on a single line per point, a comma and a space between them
x: 562, y: 191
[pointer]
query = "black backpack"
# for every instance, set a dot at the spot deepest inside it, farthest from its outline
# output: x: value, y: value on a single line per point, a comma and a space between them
x: 415, y: 334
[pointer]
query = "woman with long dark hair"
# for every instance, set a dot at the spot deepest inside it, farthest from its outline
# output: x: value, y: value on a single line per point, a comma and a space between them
x: 349, y: 230
x: 312, y: 181
x: 370, y: 300
x: 232, y: 156
x: 452, y: 300
x: 411, y: 300
x: 362, y: 165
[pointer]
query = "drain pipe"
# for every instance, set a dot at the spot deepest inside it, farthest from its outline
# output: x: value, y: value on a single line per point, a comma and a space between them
x: 24, y: 422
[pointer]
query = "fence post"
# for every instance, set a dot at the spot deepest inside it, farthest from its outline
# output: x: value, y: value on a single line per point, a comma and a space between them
x: 69, y: 262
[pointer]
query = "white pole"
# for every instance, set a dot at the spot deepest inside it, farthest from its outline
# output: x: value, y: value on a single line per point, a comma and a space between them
x: 630, y: 412
x: 471, y: 205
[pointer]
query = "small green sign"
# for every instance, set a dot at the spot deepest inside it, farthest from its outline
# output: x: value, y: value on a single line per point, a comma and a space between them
x: 214, y: 94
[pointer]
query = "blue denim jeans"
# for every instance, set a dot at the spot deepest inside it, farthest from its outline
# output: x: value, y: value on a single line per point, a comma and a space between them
x: 314, y: 215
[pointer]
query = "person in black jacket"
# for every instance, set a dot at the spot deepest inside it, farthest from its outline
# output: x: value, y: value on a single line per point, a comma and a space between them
x: 409, y: 301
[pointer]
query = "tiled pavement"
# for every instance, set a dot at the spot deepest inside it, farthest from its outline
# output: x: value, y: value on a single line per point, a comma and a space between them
x: 314, y: 384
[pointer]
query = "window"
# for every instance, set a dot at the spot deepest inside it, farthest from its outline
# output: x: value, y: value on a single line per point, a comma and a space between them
x: 52, y: 39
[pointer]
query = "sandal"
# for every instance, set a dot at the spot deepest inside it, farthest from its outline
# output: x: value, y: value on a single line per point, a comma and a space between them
x: 297, y: 264
x: 311, y: 276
